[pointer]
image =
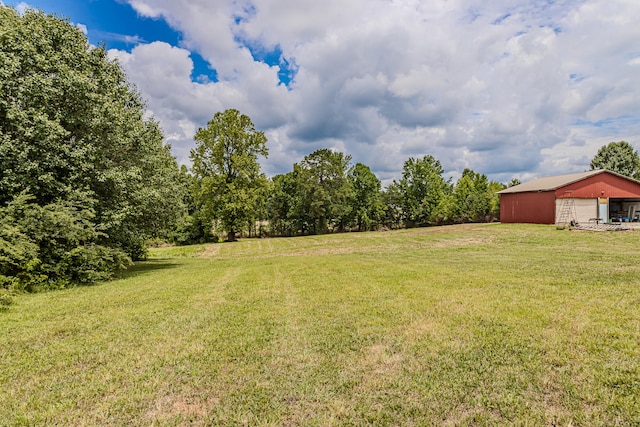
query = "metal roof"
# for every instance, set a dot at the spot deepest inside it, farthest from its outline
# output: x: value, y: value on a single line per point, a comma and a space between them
x: 552, y: 182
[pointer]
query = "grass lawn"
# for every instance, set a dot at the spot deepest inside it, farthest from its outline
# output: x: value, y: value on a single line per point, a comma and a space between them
x: 463, y: 325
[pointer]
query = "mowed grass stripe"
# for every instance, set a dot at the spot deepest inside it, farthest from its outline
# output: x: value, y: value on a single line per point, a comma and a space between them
x: 464, y: 325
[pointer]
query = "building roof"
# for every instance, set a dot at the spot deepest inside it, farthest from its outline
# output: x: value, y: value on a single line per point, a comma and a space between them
x: 553, y: 182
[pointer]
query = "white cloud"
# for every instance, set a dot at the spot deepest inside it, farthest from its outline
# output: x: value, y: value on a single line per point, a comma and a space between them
x: 22, y: 7
x: 507, y: 88
x: 82, y: 28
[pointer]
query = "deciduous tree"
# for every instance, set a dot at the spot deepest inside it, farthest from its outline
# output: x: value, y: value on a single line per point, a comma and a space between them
x: 471, y: 194
x: 74, y: 140
x: 281, y: 205
x: 393, y: 199
x: 367, y: 207
x: 323, y: 189
x: 422, y: 187
x: 619, y: 157
x: 226, y: 160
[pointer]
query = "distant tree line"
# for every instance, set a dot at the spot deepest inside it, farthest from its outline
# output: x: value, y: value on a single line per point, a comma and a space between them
x: 325, y: 192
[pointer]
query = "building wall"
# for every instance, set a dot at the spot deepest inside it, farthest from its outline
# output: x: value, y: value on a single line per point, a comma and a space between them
x: 540, y: 207
x: 530, y: 207
x: 601, y: 185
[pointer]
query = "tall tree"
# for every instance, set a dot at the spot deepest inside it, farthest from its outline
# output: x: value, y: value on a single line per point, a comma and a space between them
x: 393, y: 199
x: 226, y: 160
x: 471, y: 194
x: 367, y: 207
x: 74, y: 141
x: 494, y: 199
x: 193, y: 226
x: 423, y: 187
x: 619, y: 157
x: 281, y: 205
x: 323, y: 190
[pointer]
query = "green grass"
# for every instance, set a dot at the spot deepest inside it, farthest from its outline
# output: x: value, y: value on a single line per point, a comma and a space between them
x: 464, y: 325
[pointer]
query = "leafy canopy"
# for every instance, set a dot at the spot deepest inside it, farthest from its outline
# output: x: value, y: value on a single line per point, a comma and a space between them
x: 619, y: 157
x: 422, y: 187
x: 367, y: 207
x: 75, y: 147
x: 323, y: 190
x: 226, y: 160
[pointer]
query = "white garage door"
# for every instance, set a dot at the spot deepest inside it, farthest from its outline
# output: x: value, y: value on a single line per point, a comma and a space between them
x: 585, y: 209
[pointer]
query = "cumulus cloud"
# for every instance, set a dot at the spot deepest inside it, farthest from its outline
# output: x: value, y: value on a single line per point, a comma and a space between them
x: 508, y: 88
x: 82, y: 28
x: 20, y: 7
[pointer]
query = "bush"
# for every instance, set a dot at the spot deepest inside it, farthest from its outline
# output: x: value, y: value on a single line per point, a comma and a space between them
x: 193, y: 229
x: 52, y: 247
x: 6, y: 299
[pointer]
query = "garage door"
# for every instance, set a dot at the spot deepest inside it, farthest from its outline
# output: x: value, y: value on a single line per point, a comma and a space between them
x: 585, y: 209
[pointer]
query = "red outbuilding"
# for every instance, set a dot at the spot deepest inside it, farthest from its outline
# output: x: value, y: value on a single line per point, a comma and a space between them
x: 594, y: 196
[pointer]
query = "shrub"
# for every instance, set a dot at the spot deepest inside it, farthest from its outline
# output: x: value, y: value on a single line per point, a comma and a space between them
x: 6, y: 299
x: 52, y: 246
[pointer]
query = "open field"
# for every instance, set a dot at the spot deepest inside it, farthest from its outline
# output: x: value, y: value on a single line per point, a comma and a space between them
x: 463, y: 325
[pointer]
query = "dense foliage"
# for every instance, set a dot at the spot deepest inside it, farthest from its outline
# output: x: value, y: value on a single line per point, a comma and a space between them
x: 193, y: 226
x: 86, y: 179
x: 423, y: 188
x: 324, y: 193
x: 367, y: 206
x: 619, y: 157
x: 225, y: 161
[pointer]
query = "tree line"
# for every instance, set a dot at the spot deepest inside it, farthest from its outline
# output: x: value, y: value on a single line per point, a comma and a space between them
x: 325, y: 192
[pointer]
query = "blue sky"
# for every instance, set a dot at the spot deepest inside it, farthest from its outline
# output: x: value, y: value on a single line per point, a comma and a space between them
x: 117, y: 25
x: 510, y: 88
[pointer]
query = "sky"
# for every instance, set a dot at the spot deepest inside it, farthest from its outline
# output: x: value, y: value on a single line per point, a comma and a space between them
x: 509, y: 88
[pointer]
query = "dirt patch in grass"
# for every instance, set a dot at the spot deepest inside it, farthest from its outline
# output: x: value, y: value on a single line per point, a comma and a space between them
x: 419, y: 329
x: 178, y: 408
x: 210, y: 251
x: 379, y: 359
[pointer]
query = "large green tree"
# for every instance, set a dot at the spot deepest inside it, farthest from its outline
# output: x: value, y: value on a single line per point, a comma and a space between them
x: 367, y: 207
x: 619, y: 157
x: 281, y: 205
x: 423, y: 188
x: 393, y: 199
x: 226, y: 161
x: 193, y: 226
x: 472, y: 198
x: 323, y: 190
x: 74, y: 142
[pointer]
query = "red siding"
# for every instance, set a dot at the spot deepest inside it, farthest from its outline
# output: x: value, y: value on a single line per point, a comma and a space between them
x: 535, y: 208
x: 539, y: 207
x: 601, y: 185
